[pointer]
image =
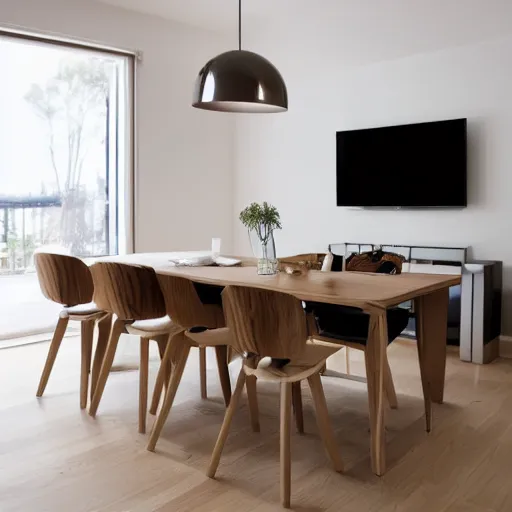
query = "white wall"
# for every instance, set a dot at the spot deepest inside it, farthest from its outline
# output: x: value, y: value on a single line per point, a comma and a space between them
x: 184, y: 192
x: 290, y: 159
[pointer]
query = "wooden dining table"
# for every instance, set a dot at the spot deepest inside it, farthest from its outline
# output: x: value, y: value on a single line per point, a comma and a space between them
x: 372, y: 293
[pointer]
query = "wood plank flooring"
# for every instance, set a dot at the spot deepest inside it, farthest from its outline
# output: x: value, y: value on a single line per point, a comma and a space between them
x: 55, y: 458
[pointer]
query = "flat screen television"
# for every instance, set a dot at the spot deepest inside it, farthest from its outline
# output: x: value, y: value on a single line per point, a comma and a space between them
x: 411, y: 166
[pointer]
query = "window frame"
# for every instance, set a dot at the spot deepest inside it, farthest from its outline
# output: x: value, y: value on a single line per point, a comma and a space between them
x: 126, y: 246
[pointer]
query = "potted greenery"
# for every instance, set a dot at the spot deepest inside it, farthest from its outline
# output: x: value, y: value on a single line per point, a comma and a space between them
x: 261, y: 220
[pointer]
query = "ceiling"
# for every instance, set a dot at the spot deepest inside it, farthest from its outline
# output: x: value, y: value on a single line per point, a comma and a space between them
x: 352, y: 30
x: 220, y: 15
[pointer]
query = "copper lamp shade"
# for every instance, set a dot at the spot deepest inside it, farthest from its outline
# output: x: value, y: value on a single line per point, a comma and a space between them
x: 240, y: 81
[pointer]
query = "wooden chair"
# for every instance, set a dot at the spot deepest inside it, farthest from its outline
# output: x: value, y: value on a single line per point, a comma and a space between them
x: 67, y: 280
x: 210, y: 296
x: 203, y: 326
x: 270, y: 328
x: 316, y: 262
x: 133, y: 294
x: 346, y: 322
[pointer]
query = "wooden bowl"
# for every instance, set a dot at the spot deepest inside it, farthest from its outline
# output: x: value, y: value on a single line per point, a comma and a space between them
x: 295, y: 269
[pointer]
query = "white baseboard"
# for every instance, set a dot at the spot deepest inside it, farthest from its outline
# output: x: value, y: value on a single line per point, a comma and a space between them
x: 506, y: 346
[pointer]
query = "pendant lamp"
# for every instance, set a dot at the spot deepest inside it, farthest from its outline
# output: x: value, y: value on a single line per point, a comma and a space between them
x: 240, y: 81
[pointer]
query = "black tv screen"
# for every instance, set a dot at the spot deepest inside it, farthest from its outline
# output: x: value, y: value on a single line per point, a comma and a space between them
x: 416, y: 165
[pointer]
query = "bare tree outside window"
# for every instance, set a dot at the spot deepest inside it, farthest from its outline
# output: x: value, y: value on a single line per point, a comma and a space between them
x: 65, y: 138
x: 73, y: 106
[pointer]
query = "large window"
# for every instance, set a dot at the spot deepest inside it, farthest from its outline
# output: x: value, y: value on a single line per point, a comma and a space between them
x: 65, y: 161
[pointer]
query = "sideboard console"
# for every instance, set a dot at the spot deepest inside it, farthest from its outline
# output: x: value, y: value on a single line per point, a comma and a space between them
x: 474, y: 312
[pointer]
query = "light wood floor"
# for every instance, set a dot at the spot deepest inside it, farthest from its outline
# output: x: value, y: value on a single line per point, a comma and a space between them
x: 55, y: 458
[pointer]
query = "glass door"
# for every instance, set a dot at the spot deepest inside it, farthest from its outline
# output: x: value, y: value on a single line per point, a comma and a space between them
x: 64, y: 165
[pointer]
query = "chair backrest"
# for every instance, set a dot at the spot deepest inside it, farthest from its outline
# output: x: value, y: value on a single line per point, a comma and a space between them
x: 64, y: 279
x: 265, y: 323
x: 375, y: 261
x: 184, y: 306
x: 131, y: 292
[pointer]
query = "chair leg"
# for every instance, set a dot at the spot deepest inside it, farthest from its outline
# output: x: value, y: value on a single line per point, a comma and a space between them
x: 389, y: 386
x: 163, y: 376
x: 222, y: 364
x: 117, y: 330
x: 297, y: 407
x: 87, y: 329
x: 104, y: 327
x: 252, y: 398
x: 143, y: 383
x: 347, y: 360
x: 202, y: 372
x: 161, y: 341
x: 183, y: 352
x: 162, y: 345
x: 285, y: 460
x: 52, y: 354
x: 324, y: 424
x: 226, y: 424
x: 88, y: 360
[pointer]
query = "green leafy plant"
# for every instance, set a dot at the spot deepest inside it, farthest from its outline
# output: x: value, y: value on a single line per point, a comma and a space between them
x: 261, y: 218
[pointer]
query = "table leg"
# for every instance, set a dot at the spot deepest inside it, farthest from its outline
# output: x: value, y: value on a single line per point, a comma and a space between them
x: 375, y: 360
x: 431, y: 326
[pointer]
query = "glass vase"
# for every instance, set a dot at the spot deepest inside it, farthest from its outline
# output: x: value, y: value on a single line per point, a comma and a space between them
x: 265, y: 252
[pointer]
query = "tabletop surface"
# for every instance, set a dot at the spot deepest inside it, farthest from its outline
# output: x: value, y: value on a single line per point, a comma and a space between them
x: 364, y: 290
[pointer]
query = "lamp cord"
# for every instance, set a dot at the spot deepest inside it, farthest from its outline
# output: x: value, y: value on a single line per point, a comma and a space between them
x: 239, y: 24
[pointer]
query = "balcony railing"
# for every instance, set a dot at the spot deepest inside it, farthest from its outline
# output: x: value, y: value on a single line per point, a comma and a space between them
x: 30, y: 222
